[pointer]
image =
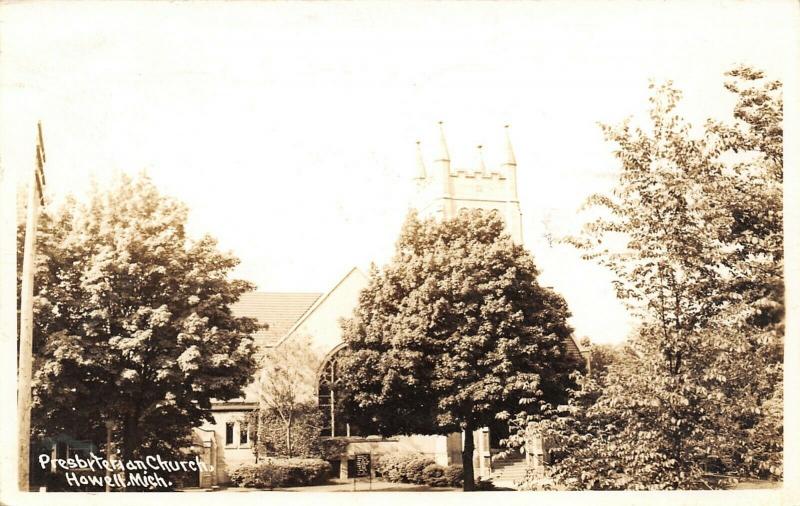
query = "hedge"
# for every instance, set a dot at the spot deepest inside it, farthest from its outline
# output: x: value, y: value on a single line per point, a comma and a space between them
x: 434, y: 476
x: 274, y: 473
x: 418, y: 469
x: 454, y: 475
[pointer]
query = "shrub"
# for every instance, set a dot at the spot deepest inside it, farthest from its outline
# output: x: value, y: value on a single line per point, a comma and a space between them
x: 454, y: 475
x: 433, y: 475
x: 332, y: 449
x: 301, y: 472
x: 537, y: 481
x: 262, y: 475
x: 419, y: 469
x: 484, y: 484
x: 414, y: 467
x: 391, y: 466
x: 281, y: 473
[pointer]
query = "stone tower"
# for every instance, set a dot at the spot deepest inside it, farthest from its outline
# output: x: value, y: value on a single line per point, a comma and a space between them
x: 442, y: 191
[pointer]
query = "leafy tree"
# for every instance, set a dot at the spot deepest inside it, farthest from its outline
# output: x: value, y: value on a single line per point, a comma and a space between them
x: 453, y: 333
x: 287, y: 389
x: 304, y: 438
x: 573, y: 435
x: 751, y: 326
x: 693, y: 233
x: 133, y: 325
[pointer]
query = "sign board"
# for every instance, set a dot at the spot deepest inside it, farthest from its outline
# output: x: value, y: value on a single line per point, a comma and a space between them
x: 363, y: 465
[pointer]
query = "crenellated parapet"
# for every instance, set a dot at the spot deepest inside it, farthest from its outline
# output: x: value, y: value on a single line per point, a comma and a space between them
x: 470, y: 174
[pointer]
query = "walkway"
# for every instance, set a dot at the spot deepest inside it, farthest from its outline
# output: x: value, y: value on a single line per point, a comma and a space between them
x: 340, y: 486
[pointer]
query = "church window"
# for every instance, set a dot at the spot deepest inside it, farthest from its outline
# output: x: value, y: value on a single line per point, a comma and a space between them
x: 336, y: 423
x: 229, y: 433
x: 243, y: 429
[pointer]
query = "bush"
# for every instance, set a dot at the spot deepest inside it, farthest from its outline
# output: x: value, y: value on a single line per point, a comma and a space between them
x: 391, y: 466
x: 262, y: 475
x: 484, y: 485
x: 433, y: 475
x: 537, y: 482
x: 414, y: 467
x: 419, y: 469
x: 301, y: 472
x: 454, y: 475
x: 275, y: 473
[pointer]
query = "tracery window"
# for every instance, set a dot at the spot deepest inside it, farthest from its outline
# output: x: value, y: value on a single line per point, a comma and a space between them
x: 336, y: 423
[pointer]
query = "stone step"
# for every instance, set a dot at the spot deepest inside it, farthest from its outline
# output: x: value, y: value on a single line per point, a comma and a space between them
x: 509, y: 470
x: 521, y: 466
x: 516, y: 460
x: 505, y: 464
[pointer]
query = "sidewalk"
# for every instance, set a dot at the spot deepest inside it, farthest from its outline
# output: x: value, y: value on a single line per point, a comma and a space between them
x: 339, y: 486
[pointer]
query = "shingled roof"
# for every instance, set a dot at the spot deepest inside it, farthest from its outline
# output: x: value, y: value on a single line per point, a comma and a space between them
x: 281, y: 310
x: 278, y: 310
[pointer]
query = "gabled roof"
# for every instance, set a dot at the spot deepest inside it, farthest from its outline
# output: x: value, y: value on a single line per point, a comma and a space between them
x: 574, y: 349
x: 319, y: 301
x: 278, y: 310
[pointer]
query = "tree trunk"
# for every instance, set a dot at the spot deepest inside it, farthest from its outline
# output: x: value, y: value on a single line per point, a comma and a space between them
x: 131, y: 441
x: 109, y: 452
x: 466, y: 458
x: 289, y: 439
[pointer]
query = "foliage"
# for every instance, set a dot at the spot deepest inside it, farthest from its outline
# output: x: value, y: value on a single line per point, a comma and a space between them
x: 453, y: 332
x: 484, y: 485
x: 539, y: 482
x: 300, y: 472
x: 413, y: 470
x: 260, y: 475
x: 392, y: 466
x: 416, y: 468
x: 304, y: 432
x: 332, y: 448
x: 433, y: 475
x: 751, y: 326
x: 693, y: 233
x: 274, y: 473
x: 287, y: 408
x: 454, y: 475
x: 133, y: 324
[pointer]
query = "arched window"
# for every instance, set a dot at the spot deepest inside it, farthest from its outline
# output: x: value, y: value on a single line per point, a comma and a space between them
x: 336, y: 423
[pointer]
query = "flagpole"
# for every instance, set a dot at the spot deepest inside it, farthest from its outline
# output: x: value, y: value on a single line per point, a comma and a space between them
x: 35, y: 197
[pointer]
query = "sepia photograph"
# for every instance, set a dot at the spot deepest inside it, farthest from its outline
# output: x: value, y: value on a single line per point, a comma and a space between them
x: 526, y: 248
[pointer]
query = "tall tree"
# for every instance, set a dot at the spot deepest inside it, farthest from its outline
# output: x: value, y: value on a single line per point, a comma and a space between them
x: 693, y: 233
x: 453, y: 333
x: 133, y: 322
x: 750, y: 199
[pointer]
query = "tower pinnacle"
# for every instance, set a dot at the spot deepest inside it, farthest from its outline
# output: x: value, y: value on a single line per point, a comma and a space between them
x: 443, y: 154
x: 510, y: 159
x: 481, y: 165
x: 421, y: 174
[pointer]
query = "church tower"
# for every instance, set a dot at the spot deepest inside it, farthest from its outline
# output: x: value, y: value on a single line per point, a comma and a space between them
x: 442, y: 192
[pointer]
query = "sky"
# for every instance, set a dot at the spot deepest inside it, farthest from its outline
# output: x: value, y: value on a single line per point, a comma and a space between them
x: 289, y: 129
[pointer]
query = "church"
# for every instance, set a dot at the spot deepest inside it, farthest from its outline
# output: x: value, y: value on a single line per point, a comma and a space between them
x: 441, y: 192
